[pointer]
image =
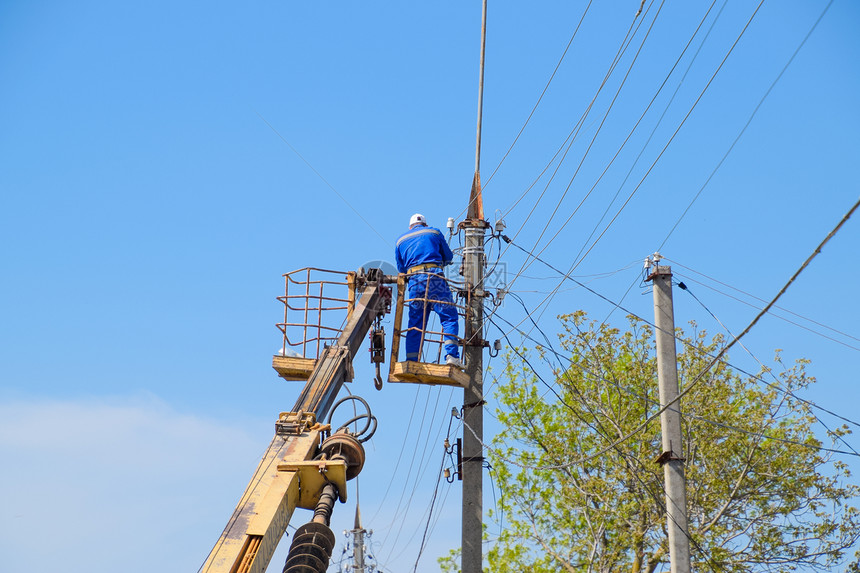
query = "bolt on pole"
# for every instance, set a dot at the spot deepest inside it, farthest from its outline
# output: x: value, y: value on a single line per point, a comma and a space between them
x: 672, y: 457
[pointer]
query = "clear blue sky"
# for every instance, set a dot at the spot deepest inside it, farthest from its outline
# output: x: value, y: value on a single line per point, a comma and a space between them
x: 149, y: 205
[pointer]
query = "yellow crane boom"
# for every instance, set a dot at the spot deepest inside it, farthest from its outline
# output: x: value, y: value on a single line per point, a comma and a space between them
x: 303, y: 465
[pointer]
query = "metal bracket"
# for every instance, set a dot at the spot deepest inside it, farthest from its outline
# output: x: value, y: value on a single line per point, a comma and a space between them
x: 473, y: 224
x: 460, y: 459
x: 294, y: 423
x: 313, y: 476
x: 669, y: 456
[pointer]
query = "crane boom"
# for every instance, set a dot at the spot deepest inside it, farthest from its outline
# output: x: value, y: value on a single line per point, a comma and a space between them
x: 331, y: 369
x: 296, y: 468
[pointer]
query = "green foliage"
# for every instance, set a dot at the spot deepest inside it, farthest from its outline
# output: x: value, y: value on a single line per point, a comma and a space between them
x: 580, y: 490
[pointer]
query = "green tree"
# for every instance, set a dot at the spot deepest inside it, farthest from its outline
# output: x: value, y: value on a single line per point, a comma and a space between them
x: 580, y: 490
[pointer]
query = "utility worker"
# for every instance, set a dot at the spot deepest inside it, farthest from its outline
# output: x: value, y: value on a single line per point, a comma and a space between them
x: 422, y: 252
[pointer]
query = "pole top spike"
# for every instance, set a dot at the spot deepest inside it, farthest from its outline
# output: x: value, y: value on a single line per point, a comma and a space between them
x: 476, y: 200
x: 357, y: 517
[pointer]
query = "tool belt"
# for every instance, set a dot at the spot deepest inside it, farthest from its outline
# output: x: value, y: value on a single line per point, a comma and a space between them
x: 424, y: 267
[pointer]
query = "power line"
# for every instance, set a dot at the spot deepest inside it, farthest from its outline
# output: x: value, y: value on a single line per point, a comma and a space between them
x: 546, y: 87
x: 594, y: 137
x: 796, y: 274
x: 324, y: 180
x: 789, y: 393
x: 429, y: 515
x: 746, y: 125
x: 734, y: 288
x: 659, y: 121
x: 735, y: 339
x: 568, y: 142
x: 572, y: 387
x: 422, y: 462
x: 797, y: 324
x: 656, y: 403
x: 659, y: 156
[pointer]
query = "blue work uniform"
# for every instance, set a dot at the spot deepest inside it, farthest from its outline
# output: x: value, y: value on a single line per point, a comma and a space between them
x: 422, y: 252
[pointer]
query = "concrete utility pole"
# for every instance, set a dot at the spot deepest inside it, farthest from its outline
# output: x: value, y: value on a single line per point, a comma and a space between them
x: 473, y: 396
x: 473, y: 399
x: 672, y: 458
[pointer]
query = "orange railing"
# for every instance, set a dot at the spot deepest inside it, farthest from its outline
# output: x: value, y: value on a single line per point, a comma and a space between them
x: 432, y: 341
x: 314, y: 301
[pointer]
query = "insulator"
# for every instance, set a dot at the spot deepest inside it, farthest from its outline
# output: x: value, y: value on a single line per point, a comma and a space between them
x: 500, y: 295
x: 310, y: 550
x: 325, y: 505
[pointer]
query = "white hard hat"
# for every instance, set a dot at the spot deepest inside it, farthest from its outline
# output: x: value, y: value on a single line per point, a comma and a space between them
x: 416, y: 219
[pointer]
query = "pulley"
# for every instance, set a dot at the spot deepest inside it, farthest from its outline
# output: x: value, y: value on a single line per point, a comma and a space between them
x: 344, y: 446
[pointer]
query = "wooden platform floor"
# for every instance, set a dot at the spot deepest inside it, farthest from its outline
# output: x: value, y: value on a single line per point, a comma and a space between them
x: 292, y: 368
x: 425, y: 373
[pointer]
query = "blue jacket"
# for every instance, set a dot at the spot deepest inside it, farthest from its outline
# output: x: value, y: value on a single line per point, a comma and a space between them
x: 422, y: 245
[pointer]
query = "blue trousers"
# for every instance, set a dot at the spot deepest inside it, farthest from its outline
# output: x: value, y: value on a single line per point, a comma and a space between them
x: 431, y: 285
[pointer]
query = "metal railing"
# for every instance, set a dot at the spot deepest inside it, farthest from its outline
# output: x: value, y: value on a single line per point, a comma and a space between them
x: 314, y: 302
x: 432, y: 341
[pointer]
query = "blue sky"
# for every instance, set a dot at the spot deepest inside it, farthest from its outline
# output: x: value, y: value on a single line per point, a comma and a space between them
x: 152, y: 195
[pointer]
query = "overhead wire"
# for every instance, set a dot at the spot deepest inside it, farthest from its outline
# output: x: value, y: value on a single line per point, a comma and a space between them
x: 628, y: 458
x: 651, y: 135
x: 422, y: 461
x: 430, y: 514
x: 516, y: 327
x: 543, y: 93
x: 324, y: 180
x: 622, y: 208
x: 695, y: 56
x: 399, y: 456
x: 669, y: 406
x: 426, y: 455
x: 760, y: 435
x: 746, y: 125
x: 765, y: 369
x: 635, y: 394
x: 568, y: 142
x: 773, y: 314
x: 805, y: 264
x: 594, y: 138
x: 433, y: 500
x: 750, y: 295
x: 659, y: 121
x: 659, y: 156
x: 736, y: 139
x: 622, y: 49
x: 396, y: 514
x: 734, y: 339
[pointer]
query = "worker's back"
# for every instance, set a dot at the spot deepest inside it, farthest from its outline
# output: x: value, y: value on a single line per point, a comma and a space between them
x: 421, y: 245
